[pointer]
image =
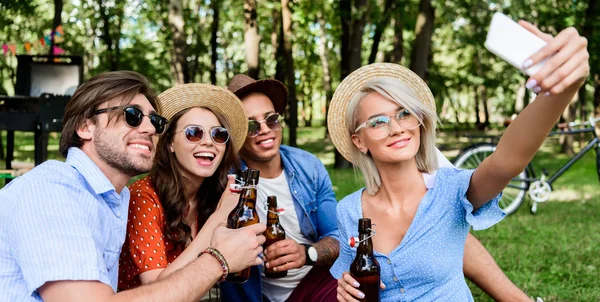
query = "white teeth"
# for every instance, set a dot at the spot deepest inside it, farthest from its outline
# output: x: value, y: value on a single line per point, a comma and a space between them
x: 204, y: 154
x: 266, y: 141
x: 138, y: 146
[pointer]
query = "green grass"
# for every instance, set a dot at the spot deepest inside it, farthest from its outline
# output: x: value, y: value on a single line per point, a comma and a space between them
x: 554, y: 254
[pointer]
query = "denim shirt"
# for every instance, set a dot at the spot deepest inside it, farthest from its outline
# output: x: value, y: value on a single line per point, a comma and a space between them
x: 315, y: 205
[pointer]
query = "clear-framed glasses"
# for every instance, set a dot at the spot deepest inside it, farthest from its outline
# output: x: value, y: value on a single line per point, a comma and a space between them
x: 273, y: 121
x: 195, y: 133
x: 380, y: 126
x: 134, y: 116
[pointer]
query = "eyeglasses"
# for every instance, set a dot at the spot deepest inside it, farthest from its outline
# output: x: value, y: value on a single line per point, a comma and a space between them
x: 380, y: 126
x: 272, y: 121
x: 194, y: 134
x: 134, y: 116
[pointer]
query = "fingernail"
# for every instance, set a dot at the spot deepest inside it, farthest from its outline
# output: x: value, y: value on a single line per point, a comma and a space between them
x: 231, y: 175
x: 361, y: 295
x: 527, y: 63
x: 356, y: 284
x: 531, y: 83
x: 537, y: 89
x: 547, y: 93
x: 383, y: 284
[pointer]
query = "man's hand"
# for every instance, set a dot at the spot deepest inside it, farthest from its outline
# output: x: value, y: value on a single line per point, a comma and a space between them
x: 284, y: 255
x: 240, y: 247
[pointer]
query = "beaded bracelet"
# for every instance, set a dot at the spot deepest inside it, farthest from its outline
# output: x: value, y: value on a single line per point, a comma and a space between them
x: 215, y: 253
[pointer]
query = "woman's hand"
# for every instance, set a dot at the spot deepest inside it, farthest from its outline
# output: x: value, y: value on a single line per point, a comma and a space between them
x: 229, y: 198
x: 347, y: 289
x: 568, y: 65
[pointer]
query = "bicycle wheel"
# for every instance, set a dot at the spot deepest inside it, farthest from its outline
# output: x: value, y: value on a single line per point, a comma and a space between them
x: 598, y: 160
x: 514, y: 193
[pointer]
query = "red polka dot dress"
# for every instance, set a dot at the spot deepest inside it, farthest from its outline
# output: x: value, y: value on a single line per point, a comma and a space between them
x: 146, y: 247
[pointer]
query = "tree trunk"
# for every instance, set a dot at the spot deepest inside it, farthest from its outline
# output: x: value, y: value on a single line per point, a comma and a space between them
x: 568, y: 116
x: 179, y: 53
x: 353, y: 16
x: 395, y: 56
x: 58, y: 6
x: 286, y: 18
x: 112, y: 59
x: 324, y: 56
x: 277, y: 42
x: 419, y: 58
x: 476, y: 107
x: 588, y: 33
x: 213, y: 42
x: 484, y: 103
x: 251, y: 38
x: 388, y: 9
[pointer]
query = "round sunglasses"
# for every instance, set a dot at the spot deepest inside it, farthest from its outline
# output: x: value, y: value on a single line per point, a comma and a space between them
x: 195, y: 133
x: 134, y: 116
x: 272, y: 121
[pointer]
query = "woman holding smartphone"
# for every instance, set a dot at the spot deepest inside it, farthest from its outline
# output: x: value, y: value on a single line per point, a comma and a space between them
x: 382, y: 118
x: 173, y: 210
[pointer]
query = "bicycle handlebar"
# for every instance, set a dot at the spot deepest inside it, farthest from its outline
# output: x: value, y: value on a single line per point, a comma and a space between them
x: 591, y: 122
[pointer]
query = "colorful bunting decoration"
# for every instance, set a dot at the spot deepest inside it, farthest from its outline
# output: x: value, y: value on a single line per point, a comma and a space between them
x: 58, y: 34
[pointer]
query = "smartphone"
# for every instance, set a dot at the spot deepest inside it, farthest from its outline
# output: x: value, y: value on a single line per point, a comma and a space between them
x: 513, y: 43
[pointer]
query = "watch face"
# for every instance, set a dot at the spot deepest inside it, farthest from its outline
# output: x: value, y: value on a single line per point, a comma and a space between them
x: 312, y: 253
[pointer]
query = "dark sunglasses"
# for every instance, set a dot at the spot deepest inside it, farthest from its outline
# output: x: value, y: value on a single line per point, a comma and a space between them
x: 134, y: 116
x: 194, y: 134
x: 272, y: 121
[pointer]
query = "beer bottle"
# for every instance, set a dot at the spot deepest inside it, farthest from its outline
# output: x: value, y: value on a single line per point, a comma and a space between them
x: 273, y: 233
x: 245, y: 216
x: 232, y: 217
x: 365, y: 268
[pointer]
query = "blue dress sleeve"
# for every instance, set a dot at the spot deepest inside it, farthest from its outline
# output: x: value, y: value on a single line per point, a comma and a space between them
x: 484, y: 217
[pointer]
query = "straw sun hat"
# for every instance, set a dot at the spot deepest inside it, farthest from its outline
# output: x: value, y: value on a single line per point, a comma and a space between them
x: 217, y: 99
x: 352, y: 84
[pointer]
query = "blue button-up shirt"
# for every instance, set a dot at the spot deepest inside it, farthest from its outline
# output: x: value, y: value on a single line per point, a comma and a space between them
x: 428, y: 263
x: 60, y: 221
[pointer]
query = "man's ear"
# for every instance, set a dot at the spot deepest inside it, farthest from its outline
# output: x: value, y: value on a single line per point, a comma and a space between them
x: 86, y: 130
x: 359, y: 144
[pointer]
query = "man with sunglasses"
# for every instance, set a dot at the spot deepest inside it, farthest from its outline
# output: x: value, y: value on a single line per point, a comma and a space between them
x: 62, y: 225
x: 303, y: 190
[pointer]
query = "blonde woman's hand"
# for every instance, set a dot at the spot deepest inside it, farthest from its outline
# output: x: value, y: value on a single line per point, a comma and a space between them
x: 567, y: 68
x: 347, y: 289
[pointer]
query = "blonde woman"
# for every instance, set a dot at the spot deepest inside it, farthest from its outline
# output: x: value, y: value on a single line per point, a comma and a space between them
x: 382, y: 118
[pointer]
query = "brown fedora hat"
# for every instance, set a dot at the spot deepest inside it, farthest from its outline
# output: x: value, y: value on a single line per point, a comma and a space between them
x: 242, y: 84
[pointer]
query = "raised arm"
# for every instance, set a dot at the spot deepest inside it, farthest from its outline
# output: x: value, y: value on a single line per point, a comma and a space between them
x: 556, y: 84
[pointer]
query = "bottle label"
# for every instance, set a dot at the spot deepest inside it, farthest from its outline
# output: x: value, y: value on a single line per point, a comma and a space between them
x: 246, y: 215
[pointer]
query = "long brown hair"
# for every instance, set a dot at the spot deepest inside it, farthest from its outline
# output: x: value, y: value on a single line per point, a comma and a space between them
x: 97, y: 90
x: 168, y: 181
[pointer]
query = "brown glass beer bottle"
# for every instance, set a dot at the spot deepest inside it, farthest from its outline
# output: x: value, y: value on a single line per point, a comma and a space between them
x: 245, y: 216
x: 273, y: 233
x: 365, y: 268
x: 232, y: 217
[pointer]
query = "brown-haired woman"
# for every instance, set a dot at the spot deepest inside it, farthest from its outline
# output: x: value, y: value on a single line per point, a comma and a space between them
x: 173, y: 211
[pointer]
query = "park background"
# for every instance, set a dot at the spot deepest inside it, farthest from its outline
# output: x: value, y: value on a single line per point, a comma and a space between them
x: 311, y: 46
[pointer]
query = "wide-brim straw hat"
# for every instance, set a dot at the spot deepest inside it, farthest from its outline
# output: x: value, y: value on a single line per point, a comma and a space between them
x: 352, y: 84
x: 242, y: 84
x: 217, y: 99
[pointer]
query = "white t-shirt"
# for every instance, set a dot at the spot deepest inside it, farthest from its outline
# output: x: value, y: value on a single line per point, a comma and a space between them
x: 280, y: 289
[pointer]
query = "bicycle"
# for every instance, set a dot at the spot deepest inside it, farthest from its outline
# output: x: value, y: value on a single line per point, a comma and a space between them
x: 539, y: 188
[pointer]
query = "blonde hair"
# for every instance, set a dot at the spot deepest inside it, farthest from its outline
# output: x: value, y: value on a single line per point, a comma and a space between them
x: 398, y: 92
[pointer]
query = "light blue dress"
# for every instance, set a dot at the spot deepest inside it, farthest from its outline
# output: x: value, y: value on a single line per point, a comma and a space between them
x: 428, y: 263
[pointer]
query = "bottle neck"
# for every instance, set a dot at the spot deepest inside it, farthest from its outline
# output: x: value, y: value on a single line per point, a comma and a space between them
x: 366, y: 245
x: 272, y: 216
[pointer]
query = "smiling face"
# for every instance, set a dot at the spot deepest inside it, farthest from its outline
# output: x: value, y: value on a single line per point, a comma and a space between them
x: 399, y: 145
x: 265, y: 146
x: 197, y: 160
x: 129, y: 150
